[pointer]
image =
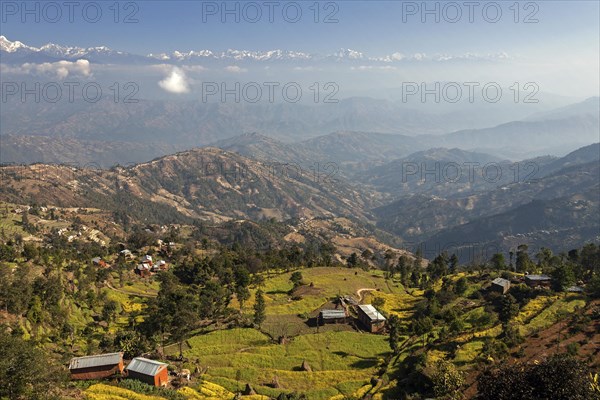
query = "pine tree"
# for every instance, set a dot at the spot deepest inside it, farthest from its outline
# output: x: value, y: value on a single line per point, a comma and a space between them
x: 394, y: 339
x: 259, y: 308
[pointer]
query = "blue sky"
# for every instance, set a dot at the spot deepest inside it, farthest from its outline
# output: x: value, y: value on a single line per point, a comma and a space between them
x: 374, y: 27
x: 560, y: 51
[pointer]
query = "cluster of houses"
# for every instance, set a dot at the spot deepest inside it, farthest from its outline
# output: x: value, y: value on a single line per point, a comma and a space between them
x: 148, y: 267
x: 368, y: 316
x: 103, y: 366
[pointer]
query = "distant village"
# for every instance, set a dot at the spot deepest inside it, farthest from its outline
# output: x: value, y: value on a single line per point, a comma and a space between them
x: 147, y: 266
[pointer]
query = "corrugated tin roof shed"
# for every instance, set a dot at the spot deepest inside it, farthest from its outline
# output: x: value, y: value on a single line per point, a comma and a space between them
x: 333, y: 314
x: 145, y: 366
x: 95, y: 361
x: 371, y: 312
x: 538, y: 277
x: 501, y: 281
x: 575, y: 289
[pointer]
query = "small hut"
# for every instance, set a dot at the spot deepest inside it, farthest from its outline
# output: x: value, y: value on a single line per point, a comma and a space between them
x: 148, y: 371
x: 371, y: 318
x: 97, y: 366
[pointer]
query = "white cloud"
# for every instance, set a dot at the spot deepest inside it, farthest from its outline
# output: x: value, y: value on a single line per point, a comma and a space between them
x: 195, y: 68
x: 397, y: 57
x: 59, y: 69
x: 308, y: 68
x: 235, y: 69
x: 175, y: 82
x: 374, y: 67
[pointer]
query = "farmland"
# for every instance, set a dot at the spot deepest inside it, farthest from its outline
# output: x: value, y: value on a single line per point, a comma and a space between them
x: 341, y: 359
x: 344, y: 362
x: 201, y: 313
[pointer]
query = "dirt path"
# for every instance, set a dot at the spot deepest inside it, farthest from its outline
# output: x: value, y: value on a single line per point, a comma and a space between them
x: 108, y: 284
x: 360, y: 292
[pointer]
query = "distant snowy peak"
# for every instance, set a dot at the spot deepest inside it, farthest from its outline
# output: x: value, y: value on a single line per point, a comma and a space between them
x: 348, y: 54
x: 12, y: 47
x: 59, y: 51
x: 19, y: 52
x: 231, y: 54
x: 54, y: 50
x: 75, y: 52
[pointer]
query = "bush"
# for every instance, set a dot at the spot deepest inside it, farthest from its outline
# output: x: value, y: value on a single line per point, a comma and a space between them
x: 142, y: 388
x: 558, y: 377
x: 494, y: 348
x: 573, y: 349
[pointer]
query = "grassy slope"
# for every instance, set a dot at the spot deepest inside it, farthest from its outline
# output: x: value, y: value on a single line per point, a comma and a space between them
x: 342, y: 360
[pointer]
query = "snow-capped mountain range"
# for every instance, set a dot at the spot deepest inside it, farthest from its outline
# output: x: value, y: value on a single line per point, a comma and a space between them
x: 17, y: 52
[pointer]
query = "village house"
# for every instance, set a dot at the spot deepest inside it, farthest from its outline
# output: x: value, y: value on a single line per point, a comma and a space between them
x: 99, y: 262
x: 535, y: 281
x: 143, y: 270
x: 148, y: 371
x: 126, y: 253
x: 147, y: 260
x: 500, y: 285
x: 97, y: 366
x: 160, y: 266
x: 332, y: 317
x: 370, y: 318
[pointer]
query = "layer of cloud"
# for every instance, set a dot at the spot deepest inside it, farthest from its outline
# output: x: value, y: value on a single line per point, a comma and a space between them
x: 374, y: 68
x: 59, y: 69
x: 235, y: 69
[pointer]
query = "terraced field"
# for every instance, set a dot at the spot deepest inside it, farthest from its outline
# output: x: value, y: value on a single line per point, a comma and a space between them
x: 203, y: 391
x: 340, y: 362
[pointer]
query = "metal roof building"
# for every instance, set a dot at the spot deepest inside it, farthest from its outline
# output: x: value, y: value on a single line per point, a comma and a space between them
x: 501, y: 285
x: 95, y: 361
x: 538, y: 280
x: 148, y: 371
x: 145, y: 366
x: 538, y: 277
x: 370, y: 317
x: 96, y: 366
x: 333, y: 314
x: 371, y: 312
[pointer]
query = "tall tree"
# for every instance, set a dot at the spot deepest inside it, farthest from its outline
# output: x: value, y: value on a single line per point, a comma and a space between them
x: 523, y: 262
x: 453, y: 263
x: 395, y: 329
x: 25, y: 371
x: 296, y: 278
x: 498, y: 262
x: 562, y: 277
x: 259, y: 308
x: 447, y: 380
x: 509, y: 308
